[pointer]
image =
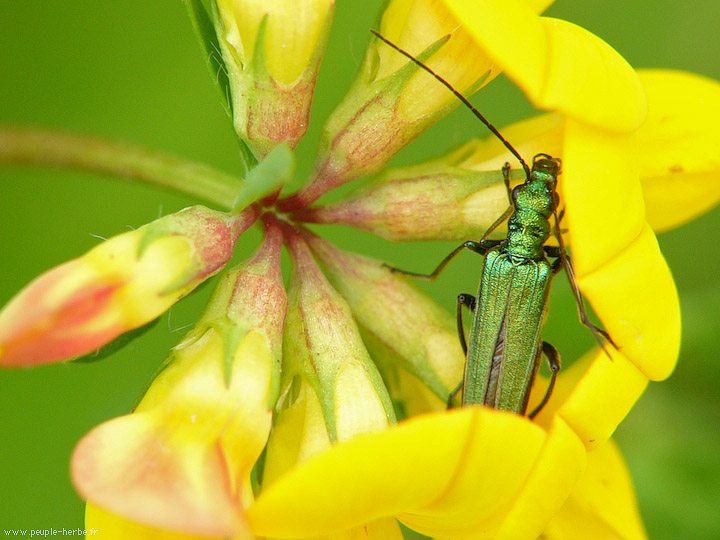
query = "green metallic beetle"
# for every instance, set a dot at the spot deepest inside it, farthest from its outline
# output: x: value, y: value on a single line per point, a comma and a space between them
x: 505, y: 348
x: 505, y: 345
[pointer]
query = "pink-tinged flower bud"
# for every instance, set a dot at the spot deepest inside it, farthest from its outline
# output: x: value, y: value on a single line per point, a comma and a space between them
x: 272, y: 52
x: 331, y: 389
x: 435, y: 200
x: 118, y: 286
x: 183, y: 460
x: 420, y: 334
x: 392, y: 100
x: 455, y: 197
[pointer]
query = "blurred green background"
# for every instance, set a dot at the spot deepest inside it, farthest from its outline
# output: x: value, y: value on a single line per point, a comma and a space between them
x: 131, y: 69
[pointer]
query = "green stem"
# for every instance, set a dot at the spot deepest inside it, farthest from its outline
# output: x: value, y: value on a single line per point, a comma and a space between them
x: 46, y: 147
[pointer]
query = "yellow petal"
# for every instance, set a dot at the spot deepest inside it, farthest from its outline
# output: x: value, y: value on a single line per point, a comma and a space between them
x: 498, y: 457
x: 382, y: 529
x: 560, y: 464
x: 538, y: 6
x: 679, y: 148
x: 542, y: 134
x: 414, y: 25
x: 359, y: 408
x: 635, y: 297
x: 298, y: 433
x: 604, y: 208
x: 291, y: 36
x: 559, y: 66
x: 378, y: 475
x: 124, y: 465
x: 603, y: 504
x: 103, y: 525
x: 602, y: 397
x: 183, y: 460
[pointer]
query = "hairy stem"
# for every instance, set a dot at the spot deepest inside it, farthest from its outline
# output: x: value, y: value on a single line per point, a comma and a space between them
x: 52, y: 148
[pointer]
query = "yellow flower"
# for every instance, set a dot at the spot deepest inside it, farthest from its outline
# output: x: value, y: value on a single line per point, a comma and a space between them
x: 452, y: 475
x: 183, y: 460
x: 272, y: 52
x: 187, y: 463
x: 120, y: 285
x: 558, y: 65
x: 485, y: 474
x: 632, y: 290
x: 618, y: 267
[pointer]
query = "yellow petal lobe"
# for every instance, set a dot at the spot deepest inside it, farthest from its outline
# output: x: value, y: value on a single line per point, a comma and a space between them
x: 291, y: 37
x: 382, y: 529
x: 499, y: 453
x: 103, y: 525
x: 414, y: 25
x: 561, y: 462
x: 558, y: 65
x: 602, y: 397
x: 125, y: 463
x: 541, y: 134
x: 378, y: 476
x: 604, y: 208
x: 589, y: 81
x: 635, y: 297
x: 679, y: 156
x: 603, y: 504
x: 299, y: 432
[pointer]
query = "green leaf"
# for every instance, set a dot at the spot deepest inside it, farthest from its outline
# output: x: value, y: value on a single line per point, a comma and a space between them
x: 205, y: 31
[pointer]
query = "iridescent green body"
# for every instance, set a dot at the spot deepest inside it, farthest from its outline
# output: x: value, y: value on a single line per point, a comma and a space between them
x: 504, y: 348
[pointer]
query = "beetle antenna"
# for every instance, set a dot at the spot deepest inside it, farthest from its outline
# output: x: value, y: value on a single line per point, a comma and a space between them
x: 462, y: 98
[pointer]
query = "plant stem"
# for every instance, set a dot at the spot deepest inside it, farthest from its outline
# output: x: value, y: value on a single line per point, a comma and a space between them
x: 47, y: 147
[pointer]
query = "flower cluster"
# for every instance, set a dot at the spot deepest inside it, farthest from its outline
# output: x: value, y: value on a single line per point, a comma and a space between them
x: 319, y: 409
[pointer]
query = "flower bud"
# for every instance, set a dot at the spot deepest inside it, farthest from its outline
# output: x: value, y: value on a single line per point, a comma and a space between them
x: 182, y: 461
x: 455, y: 197
x: 392, y: 100
x: 332, y: 390
x: 420, y: 333
x: 119, y: 285
x: 272, y: 53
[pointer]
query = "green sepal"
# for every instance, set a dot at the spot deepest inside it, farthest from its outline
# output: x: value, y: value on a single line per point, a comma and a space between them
x: 115, y: 345
x: 404, y: 73
x: 401, y: 77
x: 258, y: 62
x: 231, y: 334
x: 270, y: 175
